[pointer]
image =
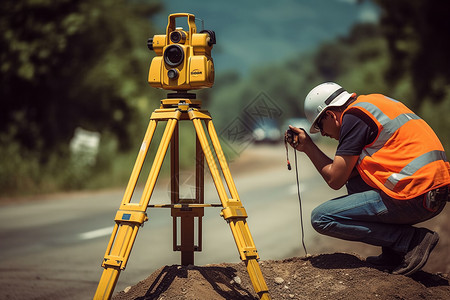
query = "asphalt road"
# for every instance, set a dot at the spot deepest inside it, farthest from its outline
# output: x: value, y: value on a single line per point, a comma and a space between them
x: 52, y: 247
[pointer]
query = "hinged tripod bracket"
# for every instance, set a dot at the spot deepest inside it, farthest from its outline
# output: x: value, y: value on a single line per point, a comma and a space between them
x: 138, y: 217
x: 233, y: 212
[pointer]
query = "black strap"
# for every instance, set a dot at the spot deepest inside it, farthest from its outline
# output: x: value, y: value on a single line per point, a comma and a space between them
x: 334, y: 95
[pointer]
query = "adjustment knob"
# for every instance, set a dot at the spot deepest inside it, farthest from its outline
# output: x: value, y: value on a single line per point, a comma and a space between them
x: 172, y: 73
x: 150, y: 44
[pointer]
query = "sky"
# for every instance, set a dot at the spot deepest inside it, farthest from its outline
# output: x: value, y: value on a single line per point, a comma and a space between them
x: 255, y: 32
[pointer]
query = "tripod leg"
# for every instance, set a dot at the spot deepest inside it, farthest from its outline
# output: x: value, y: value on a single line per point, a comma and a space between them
x: 131, y: 216
x: 139, y: 162
x: 233, y: 211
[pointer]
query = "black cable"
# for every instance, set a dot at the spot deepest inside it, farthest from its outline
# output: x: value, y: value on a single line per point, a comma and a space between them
x: 298, y: 191
x: 300, y: 203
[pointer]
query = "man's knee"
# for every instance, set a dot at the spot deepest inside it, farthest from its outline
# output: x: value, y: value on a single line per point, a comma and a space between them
x: 320, y: 220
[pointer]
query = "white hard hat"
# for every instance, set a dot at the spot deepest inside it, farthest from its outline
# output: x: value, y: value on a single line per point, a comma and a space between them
x: 325, y: 95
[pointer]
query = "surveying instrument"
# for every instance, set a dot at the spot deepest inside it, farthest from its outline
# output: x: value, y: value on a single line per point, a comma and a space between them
x: 183, y: 63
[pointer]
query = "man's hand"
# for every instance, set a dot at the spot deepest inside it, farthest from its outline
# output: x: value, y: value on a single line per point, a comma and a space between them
x: 300, y: 139
x: 335, y: 172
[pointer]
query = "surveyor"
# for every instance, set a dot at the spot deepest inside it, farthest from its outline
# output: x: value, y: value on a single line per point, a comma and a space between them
x: 393, y: 165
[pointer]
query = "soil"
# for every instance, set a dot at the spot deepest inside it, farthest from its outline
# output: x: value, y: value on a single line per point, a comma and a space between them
x: 340, y: 275
x: 324, y: 276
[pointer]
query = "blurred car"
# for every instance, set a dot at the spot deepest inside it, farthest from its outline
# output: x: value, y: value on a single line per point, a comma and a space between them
x: 269, y: 132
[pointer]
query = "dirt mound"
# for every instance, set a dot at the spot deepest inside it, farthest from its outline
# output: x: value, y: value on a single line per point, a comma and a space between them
x: 325, y: 276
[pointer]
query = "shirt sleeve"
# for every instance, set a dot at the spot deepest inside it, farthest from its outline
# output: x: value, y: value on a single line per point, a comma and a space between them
x: 357, y: 131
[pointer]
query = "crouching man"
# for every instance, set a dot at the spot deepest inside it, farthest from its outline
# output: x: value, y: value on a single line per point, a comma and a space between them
x: 393, y: 165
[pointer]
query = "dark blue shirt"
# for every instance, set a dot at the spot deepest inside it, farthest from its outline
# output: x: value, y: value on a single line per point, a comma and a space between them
x: 357, y: 131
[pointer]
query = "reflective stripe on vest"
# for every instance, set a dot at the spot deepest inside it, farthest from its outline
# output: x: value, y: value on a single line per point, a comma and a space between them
x: 414, y: 166
x: 390, y: 126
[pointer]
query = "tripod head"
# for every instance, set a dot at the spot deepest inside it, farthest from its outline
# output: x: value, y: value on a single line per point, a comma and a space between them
x: 183, y: 59
x: 181, y: 99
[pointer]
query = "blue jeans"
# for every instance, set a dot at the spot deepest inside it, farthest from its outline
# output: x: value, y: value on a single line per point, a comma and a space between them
x: 372, y: 217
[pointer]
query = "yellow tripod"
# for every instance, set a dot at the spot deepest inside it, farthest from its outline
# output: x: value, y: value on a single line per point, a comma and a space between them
x: 131, y: 216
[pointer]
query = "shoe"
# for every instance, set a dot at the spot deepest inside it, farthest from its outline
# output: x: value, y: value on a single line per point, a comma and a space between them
x: 388, y: 257
x: 422, y: 244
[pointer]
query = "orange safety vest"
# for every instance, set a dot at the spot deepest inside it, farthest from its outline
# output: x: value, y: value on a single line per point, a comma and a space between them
x: 406, y: 159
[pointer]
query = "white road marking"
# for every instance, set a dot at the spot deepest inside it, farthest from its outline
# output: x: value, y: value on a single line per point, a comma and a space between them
x: 96, y: 233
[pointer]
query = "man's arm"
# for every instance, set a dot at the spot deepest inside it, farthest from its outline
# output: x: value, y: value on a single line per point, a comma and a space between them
x: 335, y: 172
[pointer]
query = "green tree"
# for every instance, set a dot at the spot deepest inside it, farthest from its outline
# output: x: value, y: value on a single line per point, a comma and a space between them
x: 417, y: 34
x: 65, y: 64
x: 70, y: 63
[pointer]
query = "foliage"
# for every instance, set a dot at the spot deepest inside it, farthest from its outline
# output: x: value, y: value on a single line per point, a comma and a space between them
x: 67, y: 64
x: 417, y: 36
x: 419, y: 69
x: 70, y: 63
